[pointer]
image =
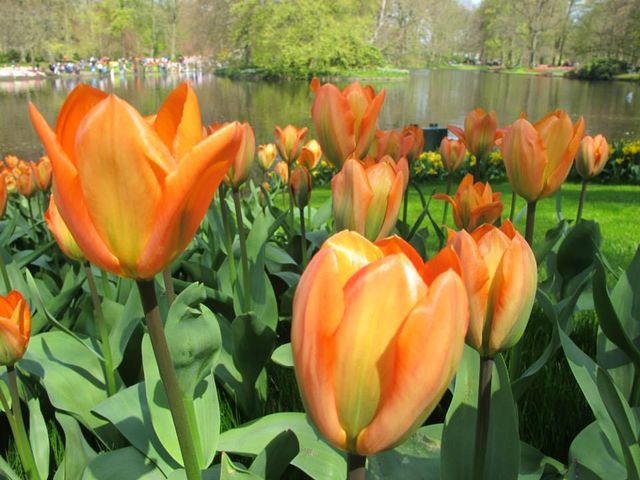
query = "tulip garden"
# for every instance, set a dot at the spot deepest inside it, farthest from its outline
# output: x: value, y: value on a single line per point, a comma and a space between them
x: 174, y: 303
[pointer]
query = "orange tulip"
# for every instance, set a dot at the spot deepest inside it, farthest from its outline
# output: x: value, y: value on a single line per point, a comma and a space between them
x: 25, y: 179
x: 282, y: 170
x: 592, y: 156
x: 243, y: 163
x: 480, y: 132
x: 42, y: 170
x: 10, y: 181
x: 310, y: 155
x: 452, y: 153
x: 61, y: 232
x: 389, y: 142
x: 374, y: 345
x: 131, y: 193
x: 345, y: 122
x: 11, y: 161
x: 266, y: 156
x: 289, y: 142
x: 473, y: 204
x: 501, y: 276
x: 538, y: 157
x: 300, y: 186
x: 15, y: 327
x: 4, y: 197
x: 367, y: 200
x: 412, y: 142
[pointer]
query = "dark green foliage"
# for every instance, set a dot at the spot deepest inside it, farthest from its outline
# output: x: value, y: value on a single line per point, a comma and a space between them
x: 600, y: 69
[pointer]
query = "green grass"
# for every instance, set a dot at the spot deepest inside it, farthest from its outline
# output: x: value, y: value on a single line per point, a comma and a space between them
x: 614, y: 207
x: 629, y: 77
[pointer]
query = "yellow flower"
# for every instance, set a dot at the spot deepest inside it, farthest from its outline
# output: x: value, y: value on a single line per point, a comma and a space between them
x: 472, y: 160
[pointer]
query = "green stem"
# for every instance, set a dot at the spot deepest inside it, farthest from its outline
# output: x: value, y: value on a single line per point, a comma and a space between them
x: 20, y: 432
x: 482, y: 418
x: 106, y: 286
x: 512, y: 213
x: 169, y: 378
x: 246, y: 293
x: 303, y: 238
x: 168, y: 284
x: 228, y: 235
x: 291, y: 216
x: 634, y: 398
x: 476, y: 175
x: 531, y: 221
x: 193, y: 427
x: 446, y: 204
x: 109, y: 372
x: 356, y: 466
x: 583, y: 196
x: 5, y: 274
x: 405, y: 206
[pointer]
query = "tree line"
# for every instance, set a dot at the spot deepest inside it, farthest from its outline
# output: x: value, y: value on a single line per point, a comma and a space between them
x: 311, y: 36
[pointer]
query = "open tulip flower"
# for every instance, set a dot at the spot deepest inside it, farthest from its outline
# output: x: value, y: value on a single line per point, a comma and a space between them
x: 310, y: 155
x: 473, y: 204
x: 501, y: 276
x: 480, y: 132
x: 266, y: 156
x: 345, y: 121
x: 538, y: 157
x: 15, y: 327
x: 133, y: 193
x: 367, y: 199
x: 592, y: 156
x: 289, y: 142
x: 375, y: 345
x: 452, y: 153
x: 61, y: 232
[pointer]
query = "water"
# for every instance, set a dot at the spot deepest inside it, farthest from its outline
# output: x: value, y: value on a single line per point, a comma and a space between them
x: 428, y: 96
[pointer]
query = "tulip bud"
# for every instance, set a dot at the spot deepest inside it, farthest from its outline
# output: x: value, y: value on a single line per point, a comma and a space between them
x: 452, y: 153
x: 412, y: 142
x: 480, y: 132
x: 300, y: 186
x: 61, y: 232
x: 501, y: 276
x: 388, y: 142
x: 266, y: 156
x: 15, y: 327
x: 282, y: 171
x: 374, y: 344
x: 310, y: 155
x: 367, y: 200
x: 473, y: 204
x: 42, y: 171
x: 11, y: 161
x: 25, y: 183
x: 243, y: 162
x: 289, y: 142
x: 4, y: 196
x: 592, y: 156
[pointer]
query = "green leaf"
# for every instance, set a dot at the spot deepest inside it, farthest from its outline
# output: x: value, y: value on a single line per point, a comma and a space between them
x: 124, y: 321
x: 231, y: 471
x: 458, y: 438
x: 272, y: 462
x: 38, y: 436
x: 283, y: 356
x: 578, y: 250
x: 77, y: 452
x: 121, y: 464
x: 322, y: 215
x: 253, y: 343
x: 6, y: 470
x: 593, y: 458
x: 551, y: 239
x: 533, y: 464
x: 316, y: 458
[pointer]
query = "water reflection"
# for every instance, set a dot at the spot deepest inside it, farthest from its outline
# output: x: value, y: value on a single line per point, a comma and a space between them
x: 429, y: 96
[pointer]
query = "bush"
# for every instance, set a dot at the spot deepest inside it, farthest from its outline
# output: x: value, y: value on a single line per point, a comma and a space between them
x: 600, y: 69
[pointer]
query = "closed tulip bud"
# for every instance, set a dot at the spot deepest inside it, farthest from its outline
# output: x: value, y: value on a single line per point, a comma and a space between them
x: 61, y: 232
x: 388, y: 142
x: 25, y: 180
x: 374, y: 344
x: 310, y: 155
x: 282, y: 171
x: 480, y: 132
x: 15, y: 327
x: 289, y: 142
x: 501, y: 276
x: 10, y: 181
x: 243, y: 163
x: 133, y: 194
x: 4, y: 197
x: 452, y: 153
x: 367, y: 200
x: 473, y: 204
x: 266, y: 156
x: 412, y: 142
x: 538, y: 157
x: 592, y: 156
x: 42, y: 173
x: 11, y: 161
x: 345, y: 121
x: 300, y: 186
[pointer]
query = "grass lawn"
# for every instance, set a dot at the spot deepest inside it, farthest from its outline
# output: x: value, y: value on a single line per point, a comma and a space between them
x: 615, y: 207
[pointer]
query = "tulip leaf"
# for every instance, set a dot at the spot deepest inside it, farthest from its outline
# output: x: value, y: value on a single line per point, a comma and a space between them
x: 205, y: 409
x: 231, y: 471
x: 38, y: 435
x: 6, y: 470
x: 458, y: 437
x: 283, y: 356
x: 551, y: 239
x: 129, y: 412
x: 124, y: 320
x: 578, y: 249
x: 120, y: 464
x: 263, y: 298
x: 316, y: 458
x: 272, y: 462
x: 8, y: 227
x: 592, y: 456
x: 77, y: 452
x: 322, y: 215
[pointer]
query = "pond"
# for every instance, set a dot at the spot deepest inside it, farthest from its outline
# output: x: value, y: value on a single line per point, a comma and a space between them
x: 426, y: 96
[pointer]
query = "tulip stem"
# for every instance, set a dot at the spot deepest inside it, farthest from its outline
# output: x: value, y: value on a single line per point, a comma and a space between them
x: 583, y: 196
x: 482, y: 419
x: 106, y: 286
x: 246, y: 292
x: 303, y: 238
x: 5, y: 274
x: 228, y: 236
x: 446, y: 204
x: 405, y: 206
x: 18, y: 427
x: 512, y: 213
x: 168, y: 285
x: 291, y: 216
x: 356, y: 466
x: 531, y: 221
x: 169, y: 378
x: 109, y: 373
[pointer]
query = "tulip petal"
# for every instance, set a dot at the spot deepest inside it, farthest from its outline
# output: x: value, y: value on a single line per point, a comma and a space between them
x: 395, y: 244
x: 394, y: 201
x: 382, y: 179
x: 178, y: 122
x: 492, y: 245
x: 488, y: 213
x: 365, y: 334
x: 415, y: 382
x: 120, y: 162
x: 445, y: 259
x: 560, y: 173
x: 334, y: 124
x: 367, y: 129
x: 457, y: 219
x: 352, y: 194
